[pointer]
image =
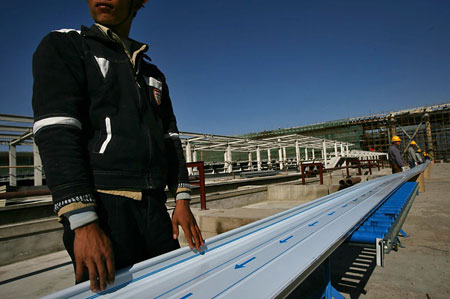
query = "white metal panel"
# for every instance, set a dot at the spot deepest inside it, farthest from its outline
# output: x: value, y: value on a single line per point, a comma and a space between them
x: 259, y: 260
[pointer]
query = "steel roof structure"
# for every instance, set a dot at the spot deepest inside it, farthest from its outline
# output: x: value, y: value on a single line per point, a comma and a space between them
x: 13, y: 134
x: 210, y: 142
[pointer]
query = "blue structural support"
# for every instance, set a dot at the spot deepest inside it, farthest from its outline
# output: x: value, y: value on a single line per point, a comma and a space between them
x: 329, y: 292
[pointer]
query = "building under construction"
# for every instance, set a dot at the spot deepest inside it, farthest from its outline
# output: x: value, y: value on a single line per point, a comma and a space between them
x: 429, y: 126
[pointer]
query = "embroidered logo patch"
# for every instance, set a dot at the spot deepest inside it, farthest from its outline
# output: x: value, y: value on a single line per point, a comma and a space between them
x: 157, y: 95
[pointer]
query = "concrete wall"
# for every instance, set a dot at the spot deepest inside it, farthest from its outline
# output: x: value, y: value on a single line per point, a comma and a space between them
x: 301, y: 193
x: 29, y: 239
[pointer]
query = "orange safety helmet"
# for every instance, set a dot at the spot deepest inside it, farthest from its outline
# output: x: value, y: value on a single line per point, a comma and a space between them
x: 413, y: 143
x: 395, y: 138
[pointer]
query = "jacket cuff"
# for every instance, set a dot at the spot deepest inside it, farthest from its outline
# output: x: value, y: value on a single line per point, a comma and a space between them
x: 181, y: 188
x: 183, y: 195
x: 80, y: 219
x: 76, y: 202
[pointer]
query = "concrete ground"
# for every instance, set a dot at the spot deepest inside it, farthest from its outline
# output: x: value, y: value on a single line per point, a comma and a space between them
x: 421, y: 270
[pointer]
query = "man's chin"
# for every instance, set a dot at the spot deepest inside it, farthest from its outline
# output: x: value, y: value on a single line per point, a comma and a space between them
x: 107, y: 22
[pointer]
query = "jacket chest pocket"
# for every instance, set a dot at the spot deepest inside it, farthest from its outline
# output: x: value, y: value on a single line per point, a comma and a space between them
x: 154, y: 89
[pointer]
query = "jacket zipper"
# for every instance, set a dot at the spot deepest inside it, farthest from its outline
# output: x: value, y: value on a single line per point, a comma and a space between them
x: 141, y: 107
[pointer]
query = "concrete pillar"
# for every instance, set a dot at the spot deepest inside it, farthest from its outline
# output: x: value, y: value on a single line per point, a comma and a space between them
x: 342, y: 150
x: 250, y: 161
x: 421, y: 181
x: 12, y: 165
x: 346, y: 150
x: 314, y: 154
x: 269, y: 159
x: 37, y: 166
x: 429, y: 136
x: 426, y: 173
x: 194, y: 155
x: 284, y: 155
x: 392, y: 128
x: 335, y: 149
x: 324, y: 154
x: 229, y: 164
x: 306, y: 153
x: 258, y: 158
x: 297, y: 152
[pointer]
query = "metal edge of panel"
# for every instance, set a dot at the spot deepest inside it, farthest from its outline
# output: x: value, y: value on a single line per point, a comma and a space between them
x: 298, y: 280
x: 391, y: 235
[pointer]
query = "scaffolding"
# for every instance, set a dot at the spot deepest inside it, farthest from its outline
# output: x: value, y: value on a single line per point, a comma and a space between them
x: 429, y: 126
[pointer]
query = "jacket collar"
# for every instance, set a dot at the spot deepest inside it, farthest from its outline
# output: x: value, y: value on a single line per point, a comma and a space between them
x: 105, y: 34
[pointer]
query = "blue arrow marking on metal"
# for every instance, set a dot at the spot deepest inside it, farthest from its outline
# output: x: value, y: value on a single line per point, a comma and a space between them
x: 312, y: 224
x: 187, y: 296
x: 244, y: 263
x: 285, y: 240
x: 331, y: 213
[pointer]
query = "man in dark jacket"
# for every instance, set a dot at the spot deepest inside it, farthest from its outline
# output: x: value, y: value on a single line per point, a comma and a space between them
x: 109, y: 143
x: 395, y: 157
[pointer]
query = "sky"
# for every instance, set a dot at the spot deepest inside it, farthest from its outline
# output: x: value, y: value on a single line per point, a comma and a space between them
x: 235, y: 67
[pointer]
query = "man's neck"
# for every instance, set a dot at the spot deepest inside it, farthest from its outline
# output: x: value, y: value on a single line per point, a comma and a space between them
x: 123, y: 30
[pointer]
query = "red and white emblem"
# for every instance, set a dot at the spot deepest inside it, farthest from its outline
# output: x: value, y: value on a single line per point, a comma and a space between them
x: 157, y: 96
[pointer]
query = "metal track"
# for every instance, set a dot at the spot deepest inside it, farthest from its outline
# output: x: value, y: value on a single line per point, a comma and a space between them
x: 265, y: 259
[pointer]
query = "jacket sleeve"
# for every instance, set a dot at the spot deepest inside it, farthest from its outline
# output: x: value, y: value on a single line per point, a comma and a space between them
x: 398, y: 158
x: 60, y: 110
x: 178, y: 179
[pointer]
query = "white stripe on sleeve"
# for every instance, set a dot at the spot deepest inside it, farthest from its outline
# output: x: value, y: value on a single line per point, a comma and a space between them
x: 57, y: 120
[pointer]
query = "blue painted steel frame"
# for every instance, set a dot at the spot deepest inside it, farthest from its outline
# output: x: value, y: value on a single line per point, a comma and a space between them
x: 379, y: 223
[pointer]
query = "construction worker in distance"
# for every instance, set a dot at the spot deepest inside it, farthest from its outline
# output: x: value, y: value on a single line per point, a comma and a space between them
x: 419, y: 156
x: 411, y: 154
x: 395, y: 157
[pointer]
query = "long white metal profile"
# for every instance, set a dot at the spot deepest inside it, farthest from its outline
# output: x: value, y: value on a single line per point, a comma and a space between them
x: 265, y: 259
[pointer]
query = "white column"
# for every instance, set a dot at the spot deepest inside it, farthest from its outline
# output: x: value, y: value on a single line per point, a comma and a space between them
x: 258, y: 158
x: 324, y: 154
x: 346, y: 149
x: 313, y: 154
x: 269, y: 159
x: 306, y: 153
x: 250, y: 161
x: 229, y: 168
x: 284, y: 154
x: 280, y: 157
x: 342, y: 150
x: 188, y: 152
x: 12, y: 164
x: 194, y: 155
x: 189, y: 157
x: 297, y: 152
x: 37, y: 166
x: 335, y: 149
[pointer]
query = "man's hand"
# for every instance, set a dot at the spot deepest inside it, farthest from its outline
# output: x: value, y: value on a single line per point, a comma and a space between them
x: 182, y: 215
x: 92, y: 249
